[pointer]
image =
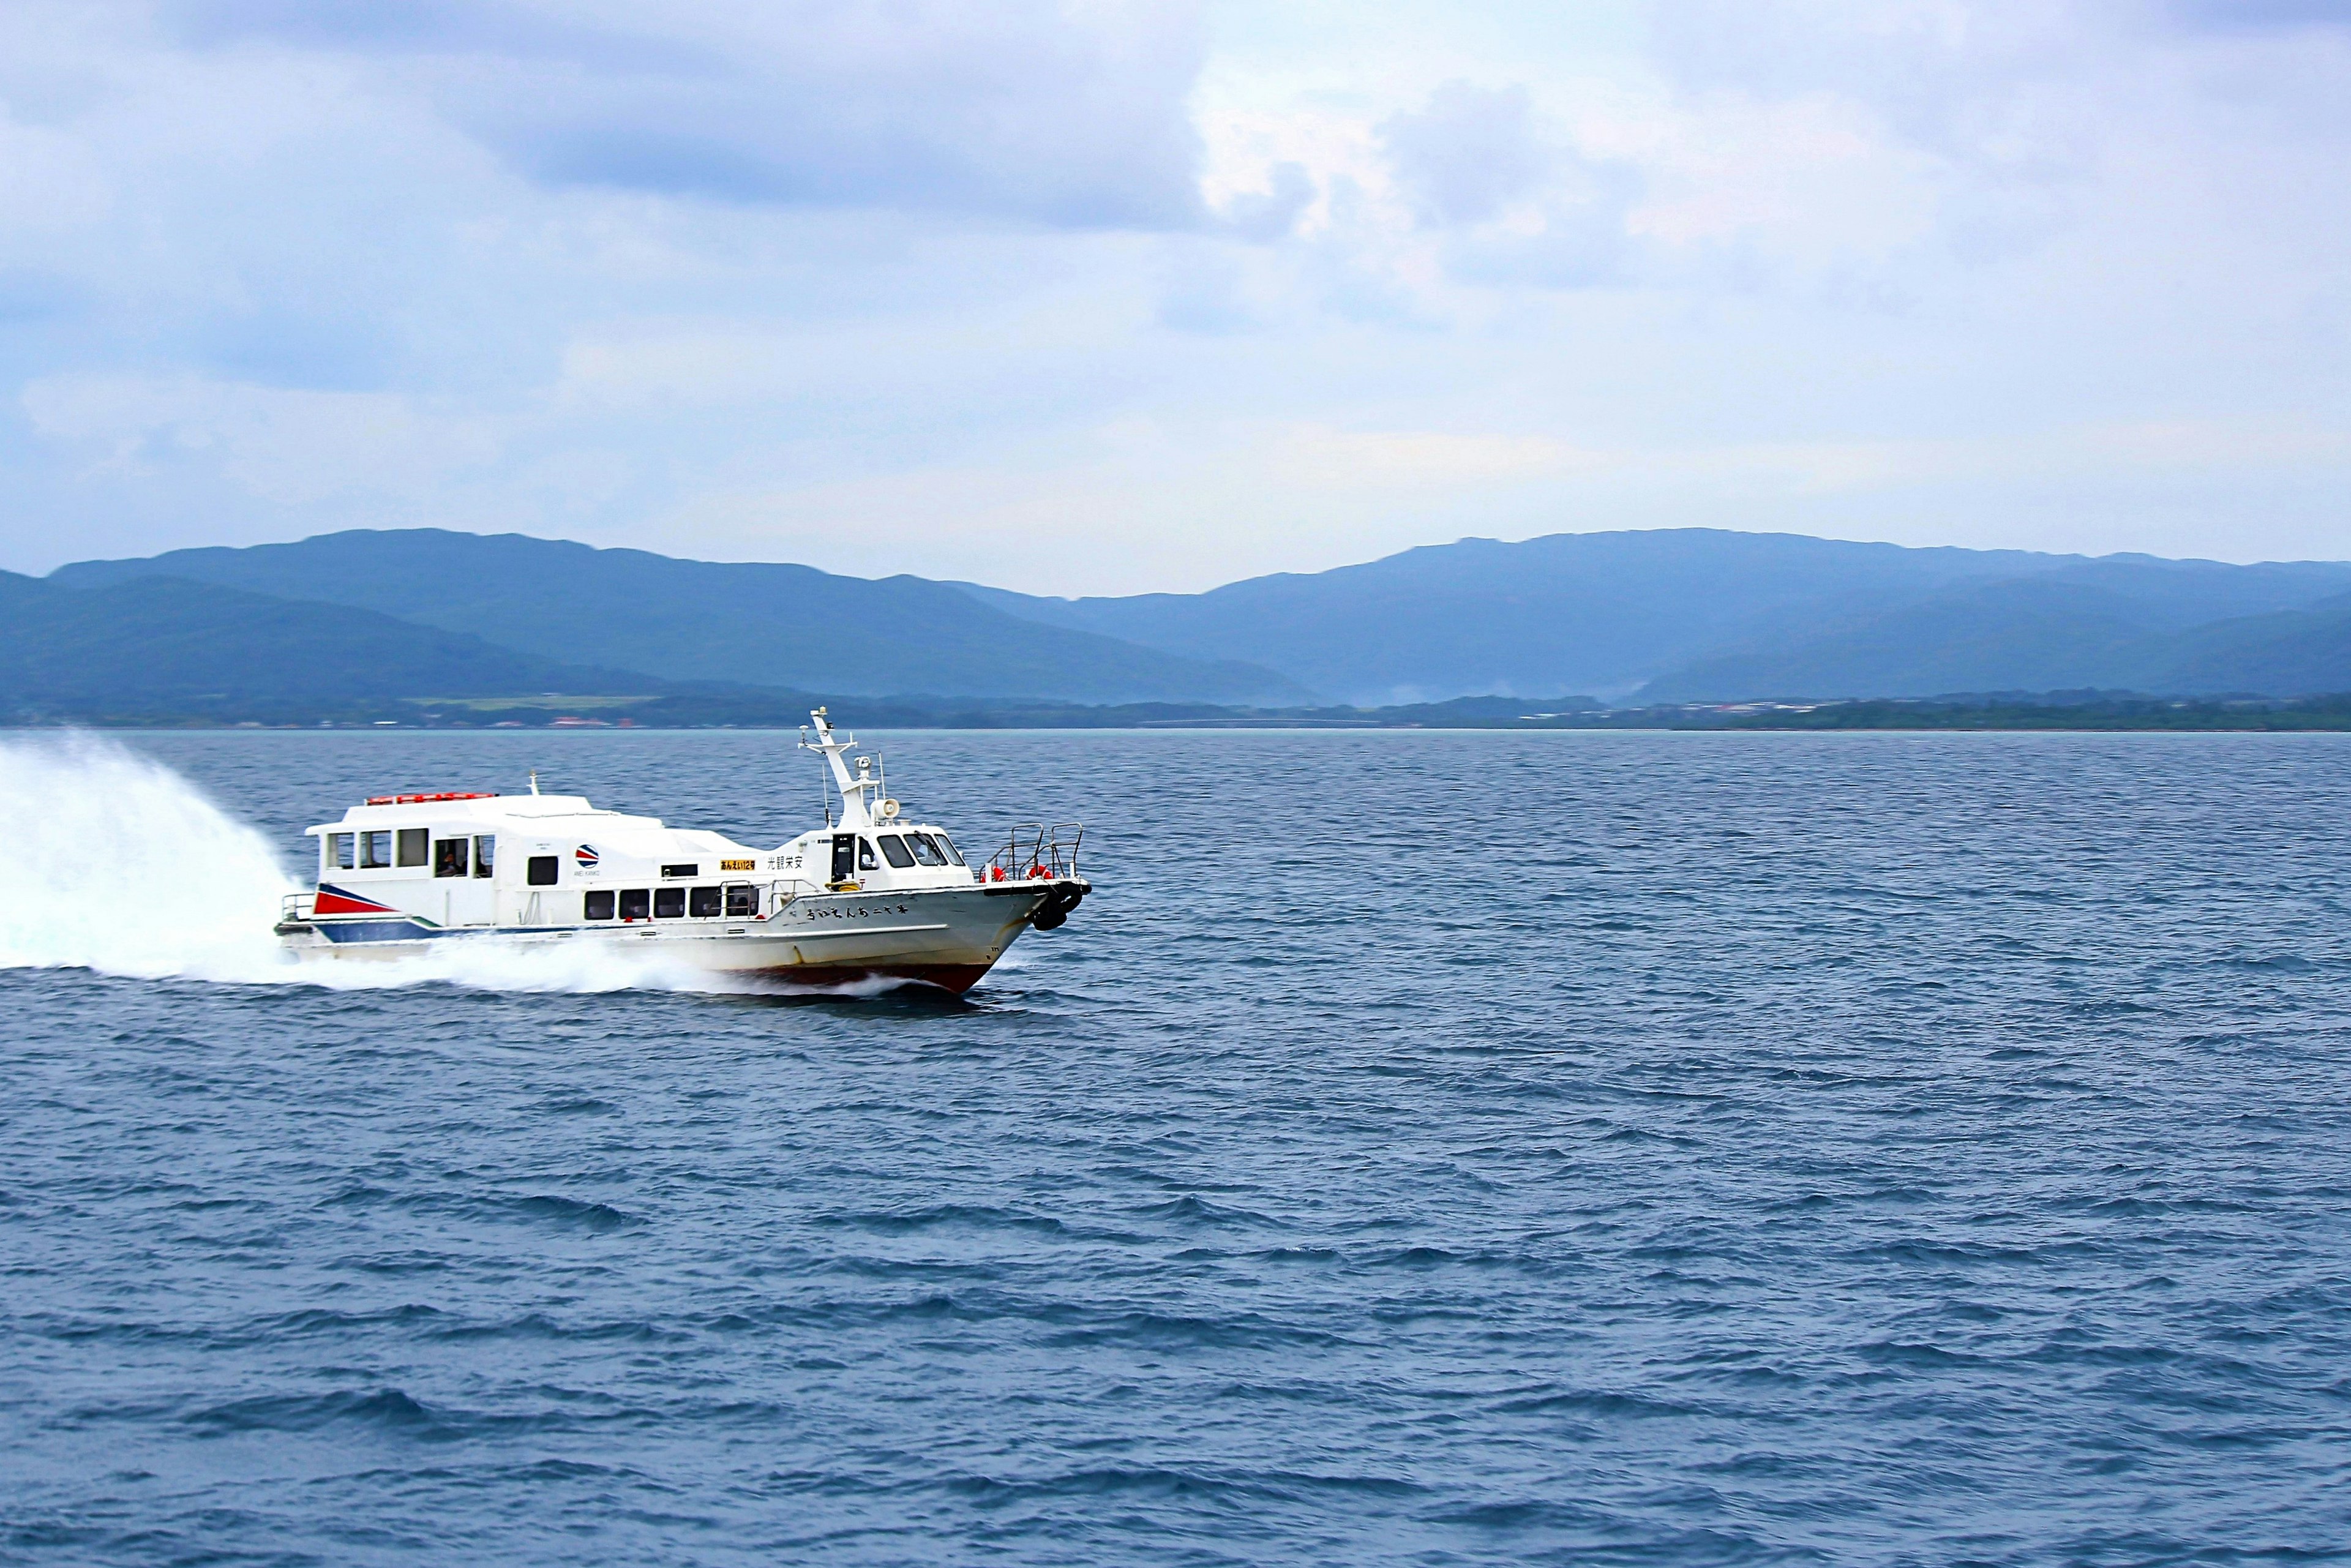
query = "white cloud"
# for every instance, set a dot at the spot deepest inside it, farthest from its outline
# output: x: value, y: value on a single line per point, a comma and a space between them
x: 1109, y: 297
x: 1319, y: 457
x: 288, y: 446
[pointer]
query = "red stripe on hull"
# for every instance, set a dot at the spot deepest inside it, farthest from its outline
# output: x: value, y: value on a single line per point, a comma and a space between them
x: 330, y: 902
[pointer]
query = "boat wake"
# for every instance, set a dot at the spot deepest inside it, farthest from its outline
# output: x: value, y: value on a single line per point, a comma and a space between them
x: 85, y: 812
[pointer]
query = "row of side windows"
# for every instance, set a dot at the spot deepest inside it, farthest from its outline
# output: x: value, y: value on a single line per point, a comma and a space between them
x: 383, y: 849
x: 736, y: 901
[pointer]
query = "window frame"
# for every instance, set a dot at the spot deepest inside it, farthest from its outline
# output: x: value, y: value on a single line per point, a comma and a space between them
x: 485, y: 856
x: 750, y: 895
x: 460, y: 864
x: 375, y: 849
x: 903, y: 859
x: 711, y: 894
x: 926, y: 851
x: 642, y: 898
x: 669, y: 903
x: 589, y: 901
x: 551, y: 866
x: 343, y: 850
x: 415, y: 848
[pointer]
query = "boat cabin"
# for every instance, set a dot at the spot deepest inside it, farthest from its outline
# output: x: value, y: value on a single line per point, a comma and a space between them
x: 458, y: 859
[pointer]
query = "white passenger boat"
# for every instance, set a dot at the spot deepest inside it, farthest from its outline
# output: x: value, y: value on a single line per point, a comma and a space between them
x: 868, y: 895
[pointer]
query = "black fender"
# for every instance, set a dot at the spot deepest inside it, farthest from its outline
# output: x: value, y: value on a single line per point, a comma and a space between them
x: 1055, y: 911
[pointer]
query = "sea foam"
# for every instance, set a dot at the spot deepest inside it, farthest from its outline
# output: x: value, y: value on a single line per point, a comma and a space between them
x: 116, y: 863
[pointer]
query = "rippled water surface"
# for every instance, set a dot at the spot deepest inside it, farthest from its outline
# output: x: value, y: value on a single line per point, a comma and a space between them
x: 1424, y: 1148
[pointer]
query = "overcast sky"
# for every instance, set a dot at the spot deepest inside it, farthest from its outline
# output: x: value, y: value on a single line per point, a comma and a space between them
x: 1097, y: 297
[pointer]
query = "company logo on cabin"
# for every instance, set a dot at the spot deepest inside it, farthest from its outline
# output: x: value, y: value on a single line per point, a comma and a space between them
x: 587, y: 856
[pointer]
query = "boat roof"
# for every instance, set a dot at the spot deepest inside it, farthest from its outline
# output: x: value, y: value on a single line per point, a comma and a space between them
x: 553, y: 813
x: 391, y: 810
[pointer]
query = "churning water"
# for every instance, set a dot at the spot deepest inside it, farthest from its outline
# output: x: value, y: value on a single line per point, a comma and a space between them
x: 1423, y: 1148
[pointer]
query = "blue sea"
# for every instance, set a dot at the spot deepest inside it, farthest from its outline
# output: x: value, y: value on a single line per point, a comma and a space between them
x: 1423, y: 1148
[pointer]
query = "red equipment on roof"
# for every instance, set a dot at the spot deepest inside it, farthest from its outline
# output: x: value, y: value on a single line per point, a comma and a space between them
x: 422, y: 799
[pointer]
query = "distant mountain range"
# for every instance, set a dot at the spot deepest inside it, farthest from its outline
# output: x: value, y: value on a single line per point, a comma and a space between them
x: 1691, y: 614
x: 754, y: 624
x: 1673, y: 615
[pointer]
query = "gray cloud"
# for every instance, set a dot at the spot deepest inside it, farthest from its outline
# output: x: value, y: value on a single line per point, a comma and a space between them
x: 1581, y: 245
x: 424, y: 28
x: 2237, y: 15
x: 1940, y: 76
x: 1025, y: 111
x: 1471, y: 152
x: 1271, y: 214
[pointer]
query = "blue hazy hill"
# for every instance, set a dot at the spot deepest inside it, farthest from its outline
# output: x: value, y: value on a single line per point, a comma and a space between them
x: 2287, y: 654
x: 1663, y: 615
x: 2137, y: 625
x: 167, y: 645
x: 748, y: 624
x: 1685, y: 614
x: 1602, y: 613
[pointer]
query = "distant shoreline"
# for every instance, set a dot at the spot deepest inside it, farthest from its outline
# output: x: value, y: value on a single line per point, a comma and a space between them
x: 2086, y: 713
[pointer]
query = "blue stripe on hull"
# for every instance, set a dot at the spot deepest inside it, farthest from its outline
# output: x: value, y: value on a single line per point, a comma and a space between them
x: 402, y: 930
x: 410, y: 928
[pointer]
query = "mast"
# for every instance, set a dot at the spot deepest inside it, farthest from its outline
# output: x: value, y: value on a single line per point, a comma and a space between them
x: 856, y: 788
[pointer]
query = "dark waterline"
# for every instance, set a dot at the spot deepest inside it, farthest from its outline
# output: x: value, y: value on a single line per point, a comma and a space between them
x: 1426, y: 1147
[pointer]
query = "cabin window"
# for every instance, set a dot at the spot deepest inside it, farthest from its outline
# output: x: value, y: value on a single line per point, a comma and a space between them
x: 412, y: 845
x: 341, y: 855
x: 924, y: 851
x: 375, y: 849
x: 540, y: 871
x: 449, y: 857
x: 636, y: 904
x: 486, y: 855
x: 742, y: 900
x: 669, y: 904
x: 706, y: 903
x: 844, y: 856
x: 948, y: 844
x: 865, y: 860
x: 598, y: 904
x: 894, y: 849
x: 681, y: 871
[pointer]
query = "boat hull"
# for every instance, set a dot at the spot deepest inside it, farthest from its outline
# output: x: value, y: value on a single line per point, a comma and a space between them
x: 945, y: 937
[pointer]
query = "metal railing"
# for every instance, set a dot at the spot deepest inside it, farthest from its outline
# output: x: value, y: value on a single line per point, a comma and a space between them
x: 1037, y: 849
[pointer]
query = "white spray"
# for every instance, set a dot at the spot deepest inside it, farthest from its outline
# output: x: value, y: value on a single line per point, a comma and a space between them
x: 114, y: 862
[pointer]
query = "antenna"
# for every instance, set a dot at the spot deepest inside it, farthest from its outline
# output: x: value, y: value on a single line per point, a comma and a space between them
x: 534, y: 780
